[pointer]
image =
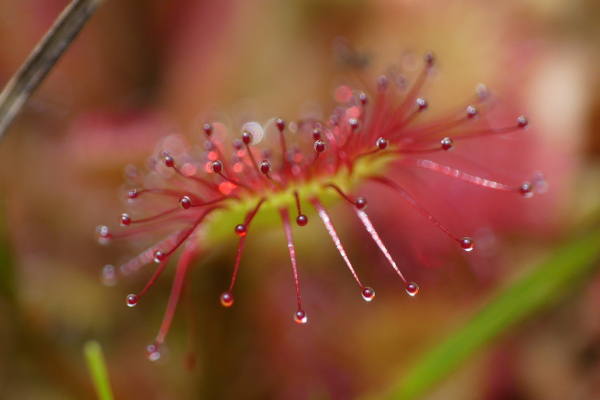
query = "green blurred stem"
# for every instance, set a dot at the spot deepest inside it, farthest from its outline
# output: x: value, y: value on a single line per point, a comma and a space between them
x: 97, y: 367
x: 565, y: 270
x: 43, y: 57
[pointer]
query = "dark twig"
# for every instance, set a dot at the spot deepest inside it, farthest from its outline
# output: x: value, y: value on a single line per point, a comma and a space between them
x: 43, y: 57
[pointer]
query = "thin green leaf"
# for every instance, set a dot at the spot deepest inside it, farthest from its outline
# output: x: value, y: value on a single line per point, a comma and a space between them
x: 545, y: 285
x: 98, y: 372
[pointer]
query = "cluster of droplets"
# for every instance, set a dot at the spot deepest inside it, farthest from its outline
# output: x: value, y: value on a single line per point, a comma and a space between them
x: 363, y: 128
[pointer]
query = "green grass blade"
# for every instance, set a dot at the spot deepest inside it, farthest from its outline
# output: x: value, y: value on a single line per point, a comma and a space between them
x: 97, y: 367
x: 545, y: 285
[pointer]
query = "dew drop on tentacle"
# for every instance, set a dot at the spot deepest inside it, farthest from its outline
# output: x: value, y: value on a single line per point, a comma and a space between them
x: 316, y: 134
x: 361, y: 203
x: 131, y: 300
x: 168, y: 160
x: 264, y: 166
x: 246, y: 137
x: 523, y: 122
x: 363, y: 98
x: 124, y: 220
x: 467, y: 244
x: 216, y: 166
x: 152, y: 352
x: 240, y: 230
x: 103, y: 235
x: 412, y: 289
x: 300, y: 317
x: 447, y: 143
x: 368, y: 293
x: 185, y: 202
x: 472, y: 112
x: 481, y: 91
x: 429, y: 60
x: 132, y: 194
x: 540, y: 184
x: 382, y: 143
x: 159, y: 256
x: 109, y: 276
x: 422, y: 104
x: 320, y: 146
x: 302, y: 220
x: 280, y: 123
x: 226, y: 299
x: 208, y: 129
x: 526, y: 189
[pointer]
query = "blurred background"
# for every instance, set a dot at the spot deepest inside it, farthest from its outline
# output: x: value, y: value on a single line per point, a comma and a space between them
x: 144, y: 69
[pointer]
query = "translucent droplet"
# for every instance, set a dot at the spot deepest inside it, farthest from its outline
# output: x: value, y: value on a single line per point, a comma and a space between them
x: 300, y: 317
x: 240, y: 230
x: 467, y: 244
x: 152, y: 352
x: 103, y: 235
x: 368, y: 293
x: 526, y: 189
x: 185, y: 202
x: 108, y: 276
x: 523, y: 122
x: 131, y: 300
x: 226, y: 299
x: 447, y: 143
x: 382, y: 143
x: 412, y: 288
x: 302, y: 220
x: 159, y: 256
x: 124, y: 220
x: 540, y: 184
x: 361, y: 203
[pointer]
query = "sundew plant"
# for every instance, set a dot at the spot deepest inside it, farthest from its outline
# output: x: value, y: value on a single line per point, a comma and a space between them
x: 287, y: 167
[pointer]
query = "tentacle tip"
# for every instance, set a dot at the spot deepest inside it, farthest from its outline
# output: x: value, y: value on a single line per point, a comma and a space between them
x: 363, y: 98
x: 124, y: 220
x: 131, y: 300
x: 168, y: 160
x: 208, y: 129
x: 132, y: 194
x: 320, y: 146
x: 467, y: 244
x: 526, y: 189
x: 447, y: 144
x: 523, y: 122
x: 247, y: 137
x: 302, y: 220
x: 103, y: 235
x: 109, y: 276
x: 429, y: 60
x: 382, y: 143
x: 152, y: 352
x: 472, y: 112
x: 185, y: 202
x: 159, y: 256
x: 226, y: 299
x: 240, y: 230
x: 216, y: 166
x: 264, y: 166
x: 300, y: 317
x: 361, y: 203
x: 368, y: 293
x: 280, y: 124
x: 412, y: 289
x: 422, y: 104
